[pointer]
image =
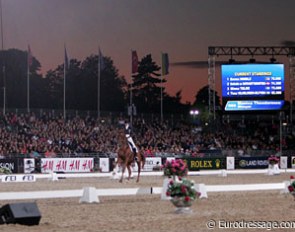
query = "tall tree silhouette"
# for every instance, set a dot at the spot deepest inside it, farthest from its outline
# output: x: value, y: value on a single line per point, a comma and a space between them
x: 146, y: 90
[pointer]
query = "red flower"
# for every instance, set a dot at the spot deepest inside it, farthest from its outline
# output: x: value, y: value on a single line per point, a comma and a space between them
x: 291, y: 188
x: 187, y: 198
x: 292, y: 177
x: 167, y: 194
x: 183, y: 189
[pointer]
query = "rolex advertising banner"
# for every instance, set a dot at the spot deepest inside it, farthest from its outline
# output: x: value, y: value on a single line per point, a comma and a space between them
x: 196, y: 164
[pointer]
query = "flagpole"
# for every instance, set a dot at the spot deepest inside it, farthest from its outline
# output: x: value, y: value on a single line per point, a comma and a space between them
x: 162, y: 72
x: 131, y: 101
x: 165, y: 64
x: 98, y: 84
x: 64, y: 90
x: 162, y: 98
x: 134, y: 69
x: 28, y: 82
x: 64, y: 97
x: 130, y: 97
x: 3, y: 67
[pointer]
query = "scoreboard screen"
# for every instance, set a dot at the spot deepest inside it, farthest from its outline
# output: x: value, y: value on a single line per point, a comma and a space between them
x: 252, y: 87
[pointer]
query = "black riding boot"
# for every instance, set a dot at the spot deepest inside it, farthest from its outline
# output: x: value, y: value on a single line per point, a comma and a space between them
x: 134, y: 155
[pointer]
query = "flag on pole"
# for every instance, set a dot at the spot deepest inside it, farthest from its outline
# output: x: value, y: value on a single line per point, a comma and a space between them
x: 134, y: 62
x: 30, y: 57
x: 165, y: 64
x: 66, y: 60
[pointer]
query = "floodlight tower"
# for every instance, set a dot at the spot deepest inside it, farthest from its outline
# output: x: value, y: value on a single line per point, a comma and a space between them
x: 211, y: 86
x: 292, y: 82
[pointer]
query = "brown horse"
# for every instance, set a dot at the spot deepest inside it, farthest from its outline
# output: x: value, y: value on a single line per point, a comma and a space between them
x: 126, y: 157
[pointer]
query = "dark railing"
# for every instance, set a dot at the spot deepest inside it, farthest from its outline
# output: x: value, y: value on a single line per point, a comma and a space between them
x: 200, y: 154
x: 103, y: 114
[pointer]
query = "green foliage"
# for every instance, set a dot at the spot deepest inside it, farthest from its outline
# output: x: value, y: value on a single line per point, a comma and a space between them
x: 182, y: 188
x: 5, y: 171
x: 291, y: 187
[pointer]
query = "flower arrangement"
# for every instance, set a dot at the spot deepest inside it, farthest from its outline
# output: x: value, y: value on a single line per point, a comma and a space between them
x: 175, y: 168
x: 291, y: 187
x: 273, y: 160
x: 182, y: 192
x: 5, y: 171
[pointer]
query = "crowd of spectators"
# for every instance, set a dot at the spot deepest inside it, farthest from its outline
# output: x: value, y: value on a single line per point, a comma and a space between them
x: 51, y: 135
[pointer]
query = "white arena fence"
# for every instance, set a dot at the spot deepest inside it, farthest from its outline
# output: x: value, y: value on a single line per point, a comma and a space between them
x: 55, y: 176
x: 90, y: 194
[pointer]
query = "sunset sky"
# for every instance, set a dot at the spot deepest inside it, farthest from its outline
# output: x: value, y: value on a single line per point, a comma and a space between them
x: 182, y: 28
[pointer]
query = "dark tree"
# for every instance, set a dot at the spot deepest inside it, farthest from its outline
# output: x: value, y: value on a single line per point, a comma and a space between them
x: 147, y: 93
x: 82, y: 86
x: 112, y: 86
x: 13, y: 75
x: 172, y: 104
x: 201, y: 102
x: 202, y: 97
x: 55, y: 79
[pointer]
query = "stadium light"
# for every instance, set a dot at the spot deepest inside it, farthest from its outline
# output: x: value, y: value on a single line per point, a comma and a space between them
x: 194, y: 112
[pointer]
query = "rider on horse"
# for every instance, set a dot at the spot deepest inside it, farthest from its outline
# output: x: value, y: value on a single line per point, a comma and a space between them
x: 131, y: 143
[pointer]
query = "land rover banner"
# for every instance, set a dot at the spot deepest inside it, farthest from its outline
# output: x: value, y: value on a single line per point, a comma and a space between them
x: 252, y: 162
